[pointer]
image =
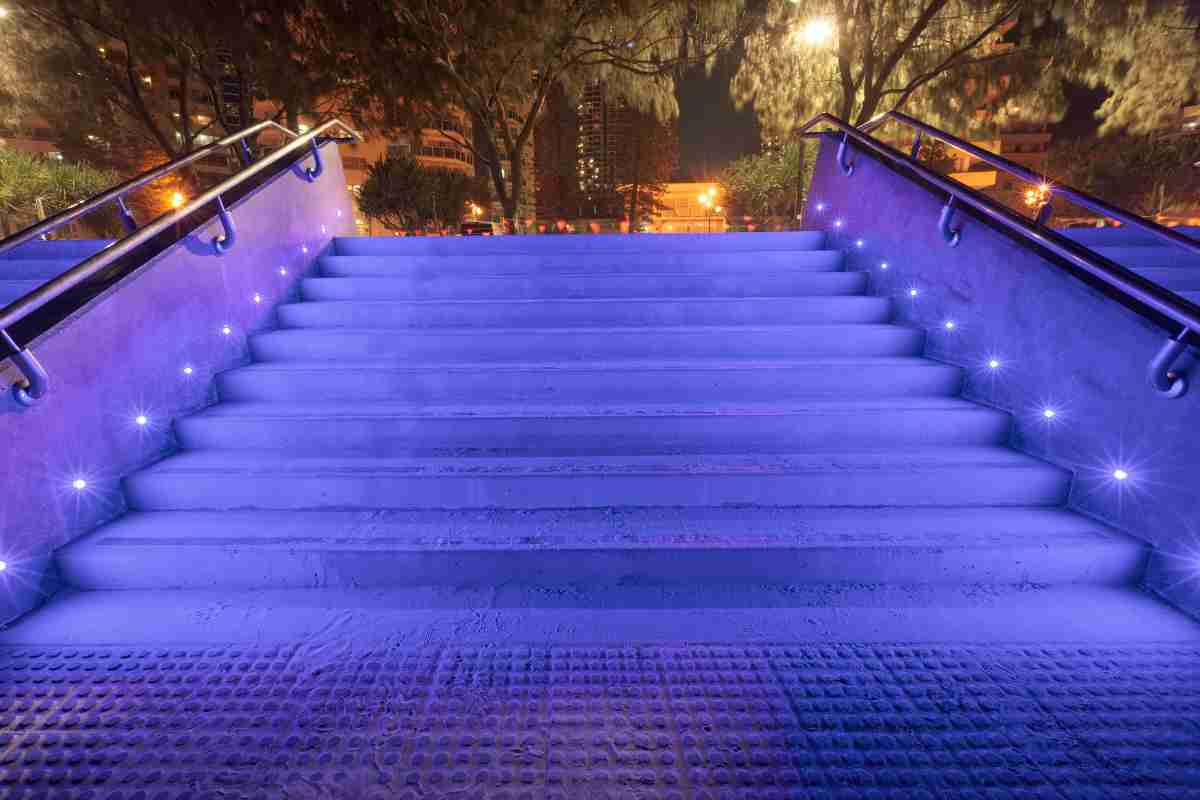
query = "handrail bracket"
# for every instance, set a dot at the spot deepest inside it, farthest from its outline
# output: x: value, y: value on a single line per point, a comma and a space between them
x: 314, y: 172
x: 952, y: 235
x: 1170, y: 383
x: 126, y: 215
x: 35, y: 382
x: 847, y: 168
x: 223, y: 244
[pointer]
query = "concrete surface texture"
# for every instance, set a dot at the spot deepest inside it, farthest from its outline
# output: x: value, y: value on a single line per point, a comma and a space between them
x: 595, y: 517
x: 1057, y: 344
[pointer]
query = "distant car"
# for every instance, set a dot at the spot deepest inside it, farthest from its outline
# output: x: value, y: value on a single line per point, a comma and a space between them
x: 480, y: 229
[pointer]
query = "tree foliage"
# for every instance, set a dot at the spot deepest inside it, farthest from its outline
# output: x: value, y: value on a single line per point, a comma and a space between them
x: 498, y: 62
x: 651, y: 158
x: 769, y: 184
x: 404, y: 195
x: 33, y: 187
x: 947, y: 61
x: 95, y: 70
x: 1154, y: 176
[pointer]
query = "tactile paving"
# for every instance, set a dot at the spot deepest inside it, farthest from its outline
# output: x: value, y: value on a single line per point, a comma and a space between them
x: 542, y: 722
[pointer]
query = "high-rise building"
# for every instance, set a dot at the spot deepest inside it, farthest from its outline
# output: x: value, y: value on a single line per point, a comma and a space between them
x: 603, y: 134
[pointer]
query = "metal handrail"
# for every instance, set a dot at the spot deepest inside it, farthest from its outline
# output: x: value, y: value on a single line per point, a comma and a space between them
x: 35, y: 379
x: 1144, y: 293
x: 117, y: 193
x: 1079, y: 198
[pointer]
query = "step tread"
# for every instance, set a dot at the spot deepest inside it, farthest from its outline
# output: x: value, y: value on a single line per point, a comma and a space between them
x: 250, y: 462
x: 1039, y: 616
x: 831, y: 328
x: 583, y: 301
x: 622, y: 528
x: 385, y: 409
x: 771, y: 271
x: 713, y: 364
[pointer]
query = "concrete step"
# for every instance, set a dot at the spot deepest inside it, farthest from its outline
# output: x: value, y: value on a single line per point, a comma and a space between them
x: 552, y: 263
x: 631, y: 381
x: 11, y: 290
x: 615, y: 547
x: 1165, y: 257
x: 587, y: 344
x: 381, y: 428
x: 545, y: 245
x: 33, y: 269
x: 335, y: 622
x: 587, y: 286
x: 585, y: 313
x: 74, y: 250
x: 1176, y: 279
x: 231, y: 479
x: 1123, y: 236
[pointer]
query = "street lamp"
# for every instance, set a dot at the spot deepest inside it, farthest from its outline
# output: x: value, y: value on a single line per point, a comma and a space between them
x: 817, y: 32
x: 709, y: 201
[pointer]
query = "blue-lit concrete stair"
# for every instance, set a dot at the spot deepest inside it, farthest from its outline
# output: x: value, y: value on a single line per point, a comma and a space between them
x: 583, y: 518
x: 721, y: 416
x: 1169, y: 266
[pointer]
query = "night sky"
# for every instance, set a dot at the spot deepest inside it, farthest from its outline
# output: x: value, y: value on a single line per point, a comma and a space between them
x: 711, y: 131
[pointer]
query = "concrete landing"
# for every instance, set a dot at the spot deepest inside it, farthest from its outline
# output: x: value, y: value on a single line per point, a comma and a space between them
x: 721, y: 720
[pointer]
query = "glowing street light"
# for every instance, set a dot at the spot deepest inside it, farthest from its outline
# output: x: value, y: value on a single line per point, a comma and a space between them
x: 177, y: 199
x: 817, y: 32
x: 3, y: 12
x: 709, y: 201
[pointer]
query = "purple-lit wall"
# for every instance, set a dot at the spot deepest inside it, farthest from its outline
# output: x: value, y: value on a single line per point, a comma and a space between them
x: 1060, y: 344
x: 124, y: 355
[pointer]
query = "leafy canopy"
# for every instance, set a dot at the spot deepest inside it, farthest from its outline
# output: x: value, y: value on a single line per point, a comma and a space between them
x: 963, y: 63
x: 31, y: 185
x: 404, y: 195
x: 770, y: 183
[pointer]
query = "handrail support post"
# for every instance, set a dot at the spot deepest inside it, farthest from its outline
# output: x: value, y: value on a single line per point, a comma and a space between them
x: 35, y: 382
x: 314, y: 172
x: 847, y: 168
x: 223, y: 244
x: 1043, y: 215
x: 126, y: 215
x: 952, y: 235
x: 915, y: 150
x: 1169, y: 383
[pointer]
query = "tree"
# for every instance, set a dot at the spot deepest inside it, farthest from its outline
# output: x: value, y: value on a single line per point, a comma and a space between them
x: 652, y: 157
x: 118, y: 80
x: 555, y: 157
x: 963, y: 64
x: 1153, y: 176
x: 404, y: 195
x: 33, y: 187
x: 771, y: 183
x: 498, y: 62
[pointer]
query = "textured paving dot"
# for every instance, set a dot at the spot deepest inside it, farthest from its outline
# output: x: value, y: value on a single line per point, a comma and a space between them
x: 679, y: 723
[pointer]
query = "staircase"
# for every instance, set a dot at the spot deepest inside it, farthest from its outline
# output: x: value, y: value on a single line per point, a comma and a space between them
x: 27, y: 267
x: 661, y: 411
x: 1171, y: 267
x: 559, y: 517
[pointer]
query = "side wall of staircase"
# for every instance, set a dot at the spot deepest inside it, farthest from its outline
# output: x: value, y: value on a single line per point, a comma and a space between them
x: 1060, y: 344
x: 148, y: 347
